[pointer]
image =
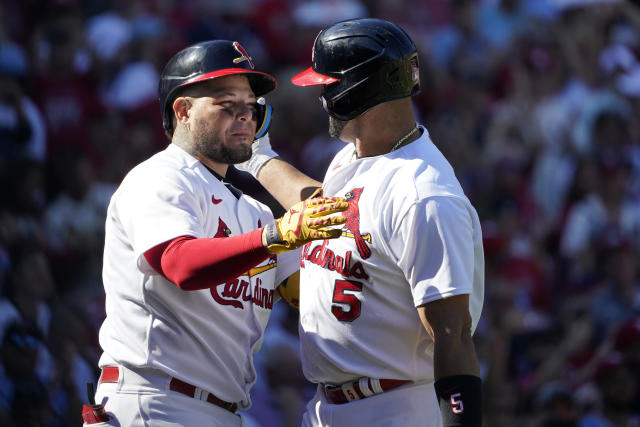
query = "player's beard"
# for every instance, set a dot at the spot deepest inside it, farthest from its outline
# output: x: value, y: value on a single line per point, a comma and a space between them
x: 214, y: 148
x: 336, y: 127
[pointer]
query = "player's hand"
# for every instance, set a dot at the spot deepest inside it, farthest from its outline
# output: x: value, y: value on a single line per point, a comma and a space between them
x: 305, y: 221
x: 261, y: 153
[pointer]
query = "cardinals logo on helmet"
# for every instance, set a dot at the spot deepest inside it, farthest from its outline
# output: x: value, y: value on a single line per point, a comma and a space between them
x: 244, y: 55
x: 352, y: 226
x: 223, y: 229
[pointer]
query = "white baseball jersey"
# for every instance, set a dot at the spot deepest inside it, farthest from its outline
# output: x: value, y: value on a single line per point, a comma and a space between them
x: 411, y: 237
x: 204, y: 337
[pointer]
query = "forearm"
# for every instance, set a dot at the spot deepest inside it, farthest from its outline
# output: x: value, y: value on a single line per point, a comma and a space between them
x: 458, y: 385
x: 199, y: 263
x: 286, y: 183
x: 454, y: 356
x: 193, y: 264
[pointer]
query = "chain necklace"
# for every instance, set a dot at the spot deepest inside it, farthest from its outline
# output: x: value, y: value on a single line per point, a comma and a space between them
x: 397, y: 145
x: 404, y: 138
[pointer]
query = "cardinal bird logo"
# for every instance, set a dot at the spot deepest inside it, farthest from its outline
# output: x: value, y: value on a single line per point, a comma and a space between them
x: 223, y: 229
x: 352, y: 226
x: 244, y: 55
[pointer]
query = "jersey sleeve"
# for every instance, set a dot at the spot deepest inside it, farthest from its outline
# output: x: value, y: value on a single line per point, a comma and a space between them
x: 158, y: 208
x: 437, y: 258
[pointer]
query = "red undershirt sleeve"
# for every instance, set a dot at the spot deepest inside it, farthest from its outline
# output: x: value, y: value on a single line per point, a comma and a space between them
x: 191, y: 263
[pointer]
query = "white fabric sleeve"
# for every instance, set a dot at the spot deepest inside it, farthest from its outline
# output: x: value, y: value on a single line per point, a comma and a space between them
x: 158, y: 208
x: 438, y: 255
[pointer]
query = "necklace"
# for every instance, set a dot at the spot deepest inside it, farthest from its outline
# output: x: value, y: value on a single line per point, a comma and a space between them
x: 404, y: 138
x: 397, y: 145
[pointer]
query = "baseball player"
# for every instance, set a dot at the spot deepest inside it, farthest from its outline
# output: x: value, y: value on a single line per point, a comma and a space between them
x: 192, y: 265
x: 388, y: 310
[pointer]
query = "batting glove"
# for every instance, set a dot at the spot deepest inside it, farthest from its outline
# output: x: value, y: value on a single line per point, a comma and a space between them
x: 306, y: 221
x: 262, y: 153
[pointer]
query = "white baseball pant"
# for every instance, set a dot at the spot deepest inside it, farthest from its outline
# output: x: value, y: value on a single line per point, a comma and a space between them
x: 409, y: 405
x: 142, y: 398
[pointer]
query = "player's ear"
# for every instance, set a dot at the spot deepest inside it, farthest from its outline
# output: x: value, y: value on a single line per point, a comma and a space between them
x: 181, y: 106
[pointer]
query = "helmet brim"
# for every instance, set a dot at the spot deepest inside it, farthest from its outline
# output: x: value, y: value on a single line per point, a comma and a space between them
x: 309, y: 77
x: 265, y: 83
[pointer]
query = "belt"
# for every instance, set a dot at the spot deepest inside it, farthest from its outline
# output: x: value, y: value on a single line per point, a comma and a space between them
x: 361, y: 389
x: 110, y: 374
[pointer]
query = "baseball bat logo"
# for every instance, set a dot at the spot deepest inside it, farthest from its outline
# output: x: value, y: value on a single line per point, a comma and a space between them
x: 352, y: 226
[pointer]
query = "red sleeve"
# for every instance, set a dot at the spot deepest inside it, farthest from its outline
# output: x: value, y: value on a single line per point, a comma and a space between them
x: 193, y: 263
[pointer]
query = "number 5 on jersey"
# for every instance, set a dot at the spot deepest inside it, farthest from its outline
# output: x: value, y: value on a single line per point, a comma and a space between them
x: 344, y: 295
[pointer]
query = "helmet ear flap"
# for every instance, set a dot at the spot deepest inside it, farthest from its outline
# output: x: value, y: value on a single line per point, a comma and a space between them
x: 264, y: 112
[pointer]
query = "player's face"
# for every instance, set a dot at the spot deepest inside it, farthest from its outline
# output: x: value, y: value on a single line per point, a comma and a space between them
x: 222, y: 119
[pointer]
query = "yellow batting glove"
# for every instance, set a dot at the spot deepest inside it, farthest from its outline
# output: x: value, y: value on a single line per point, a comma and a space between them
x: 306, y: 221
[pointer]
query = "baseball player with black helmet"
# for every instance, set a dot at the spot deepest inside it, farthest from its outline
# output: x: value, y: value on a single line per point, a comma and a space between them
x: 387, y: 311
x: 192, y: 265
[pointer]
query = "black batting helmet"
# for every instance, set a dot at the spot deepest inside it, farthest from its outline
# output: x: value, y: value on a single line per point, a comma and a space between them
x: 204, y: 61
x: 361, y: 63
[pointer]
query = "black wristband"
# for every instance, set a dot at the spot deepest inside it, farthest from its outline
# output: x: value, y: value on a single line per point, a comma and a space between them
x: 272, y: 236
x: 460, y: 400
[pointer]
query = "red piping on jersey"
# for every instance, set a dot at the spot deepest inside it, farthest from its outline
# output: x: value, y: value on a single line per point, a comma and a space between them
x: 193, y: 264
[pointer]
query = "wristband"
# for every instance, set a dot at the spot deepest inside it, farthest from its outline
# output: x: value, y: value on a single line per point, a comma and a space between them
x: 460, y: 400
x: 271, y: 234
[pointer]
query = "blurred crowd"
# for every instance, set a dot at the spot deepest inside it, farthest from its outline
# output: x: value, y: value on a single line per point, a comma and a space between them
x: 532, y: 101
